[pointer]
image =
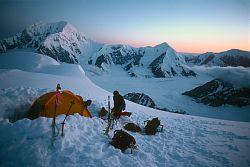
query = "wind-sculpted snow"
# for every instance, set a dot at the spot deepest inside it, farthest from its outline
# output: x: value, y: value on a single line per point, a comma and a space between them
x: 34, y: 62
x: 16, y: 101
x: 28, y: 61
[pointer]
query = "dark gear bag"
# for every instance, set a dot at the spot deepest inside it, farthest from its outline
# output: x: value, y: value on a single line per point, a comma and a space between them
x: 103, y: 112
x: 152, y: 125
x: 132, y: 127
x: 122, y: 140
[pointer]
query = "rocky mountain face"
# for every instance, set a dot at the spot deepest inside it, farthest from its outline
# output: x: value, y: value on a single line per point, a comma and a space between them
x: 233, y: 57
x: 140, y: 98
x: 60, y: 41
x: 217, y: 93
x: 115, y: 55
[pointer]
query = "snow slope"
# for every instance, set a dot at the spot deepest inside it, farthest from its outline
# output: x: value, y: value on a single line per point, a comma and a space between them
x: 185, y: 141
x: 30, y: 61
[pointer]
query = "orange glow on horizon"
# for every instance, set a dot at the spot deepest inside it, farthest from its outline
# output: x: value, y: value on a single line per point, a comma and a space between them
x: 188, y: 47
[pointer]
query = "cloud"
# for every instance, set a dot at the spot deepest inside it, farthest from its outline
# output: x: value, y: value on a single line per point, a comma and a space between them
x: 238, y: 76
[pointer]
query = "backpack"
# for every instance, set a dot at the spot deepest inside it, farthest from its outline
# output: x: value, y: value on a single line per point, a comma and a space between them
x: 132, y: 127
x: 122, y: 140
x: 102, y: 112
x: 151, y: 127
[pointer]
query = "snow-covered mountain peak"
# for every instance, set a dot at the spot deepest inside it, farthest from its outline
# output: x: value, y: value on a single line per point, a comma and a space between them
x: 41, y: 28
x: 107, y: 48
x: 162, y: 46
x: 162, y: 60
x: 113, y: 54
x: 68, y: 29
x: 59, y: 40
x: 63, y: 33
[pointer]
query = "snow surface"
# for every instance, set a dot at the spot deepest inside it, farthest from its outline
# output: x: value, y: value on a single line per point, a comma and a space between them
x: 185, y: 141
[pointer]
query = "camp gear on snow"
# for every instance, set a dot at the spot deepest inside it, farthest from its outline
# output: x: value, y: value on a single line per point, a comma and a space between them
x: 122, y: 140
x: 118, y: 114
x: 53, y: 124
x: 110, y: 119
x: 102, y: 112
x: 56, y: 103
x: 88, y: 102
x: 45, y: 105
x: 63, y: 122
x: 132, y: 127
x: 55, y: 132
x: 125, y: 113
x: 152, y: 125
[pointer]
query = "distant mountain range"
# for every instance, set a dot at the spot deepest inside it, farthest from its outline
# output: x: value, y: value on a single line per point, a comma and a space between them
x: 64, y: 43
x: 161, y: 60
x: 233, y: 57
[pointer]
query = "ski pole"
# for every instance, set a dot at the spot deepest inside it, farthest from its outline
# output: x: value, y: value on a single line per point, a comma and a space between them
x: 54, y: 119
x: 109, y: 117
x: 63, y: 123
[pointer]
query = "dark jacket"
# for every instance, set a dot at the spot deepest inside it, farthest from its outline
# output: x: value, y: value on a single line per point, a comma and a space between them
x: 119, y: 103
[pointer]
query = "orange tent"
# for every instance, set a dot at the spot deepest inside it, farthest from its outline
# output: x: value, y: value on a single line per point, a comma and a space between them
x: 45, y: 105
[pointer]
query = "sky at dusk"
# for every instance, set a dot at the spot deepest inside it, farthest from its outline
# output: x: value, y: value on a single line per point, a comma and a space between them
x: 195, y: 26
